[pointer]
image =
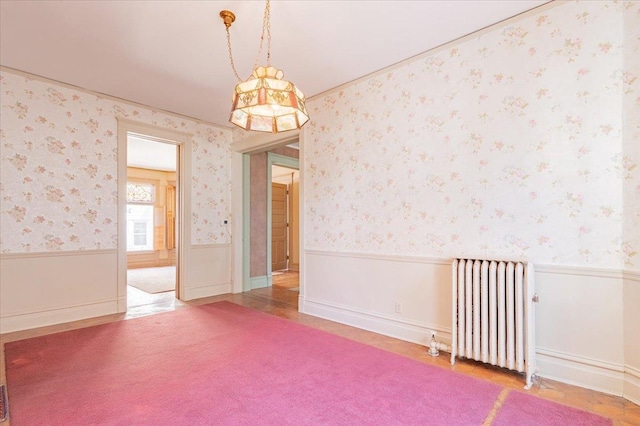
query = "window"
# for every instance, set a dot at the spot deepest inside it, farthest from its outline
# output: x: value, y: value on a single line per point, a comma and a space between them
x: 140, y: 208
x: 141, y: 193
x: 139, y: 233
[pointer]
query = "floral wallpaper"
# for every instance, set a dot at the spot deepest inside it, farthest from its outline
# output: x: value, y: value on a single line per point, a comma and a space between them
x: 58, y: 168
x: 508, y: 145
x: 631, y: 230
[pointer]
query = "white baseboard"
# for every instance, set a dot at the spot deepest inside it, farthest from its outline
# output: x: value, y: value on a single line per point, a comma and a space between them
x: 206, y: 291
x: 259, y: 282
x: 567, y: 368
x: 360, y: 289
x: 122, y: 304
x: 632, y: 384
x: 371, y: 321
x: 588, y: 373
x: 57, y: 316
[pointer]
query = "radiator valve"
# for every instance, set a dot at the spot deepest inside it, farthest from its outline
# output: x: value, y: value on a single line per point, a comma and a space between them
x: 433, y: 346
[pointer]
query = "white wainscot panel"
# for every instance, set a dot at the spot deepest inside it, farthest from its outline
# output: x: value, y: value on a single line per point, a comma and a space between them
x: 42, y: 289
x: 579, y: 327
x: 208, y: 271
x: 632, y: 336
x: 579, y: 320
x: 402, y: 297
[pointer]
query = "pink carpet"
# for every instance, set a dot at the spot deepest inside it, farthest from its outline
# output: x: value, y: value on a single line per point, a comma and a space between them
x: 225, y: 364
x: 525, y: 410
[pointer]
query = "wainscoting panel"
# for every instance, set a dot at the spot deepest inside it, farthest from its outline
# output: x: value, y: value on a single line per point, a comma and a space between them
x: 632, y: 336
x: 402, y: 297
x: 579, y: 326
x: 632, y: 384
x: 579, y: 320
x: 208, y: 271
x: 39, y: 289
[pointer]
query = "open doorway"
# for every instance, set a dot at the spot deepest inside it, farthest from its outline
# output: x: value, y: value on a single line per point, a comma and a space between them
x: 151, y: 221
x: 285, y: 251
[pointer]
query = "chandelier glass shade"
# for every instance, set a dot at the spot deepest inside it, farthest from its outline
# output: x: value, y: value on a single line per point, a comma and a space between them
x: 267, y: 103
x: 264, y: 102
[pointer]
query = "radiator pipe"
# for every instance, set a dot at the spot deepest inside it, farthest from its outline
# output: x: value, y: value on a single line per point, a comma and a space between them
x: 435, y: 347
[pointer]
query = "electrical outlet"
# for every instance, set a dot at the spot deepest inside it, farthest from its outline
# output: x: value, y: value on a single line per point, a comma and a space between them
x: 398, y: 308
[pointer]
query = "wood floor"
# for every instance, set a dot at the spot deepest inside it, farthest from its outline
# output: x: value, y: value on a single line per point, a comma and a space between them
x: 282, y: 300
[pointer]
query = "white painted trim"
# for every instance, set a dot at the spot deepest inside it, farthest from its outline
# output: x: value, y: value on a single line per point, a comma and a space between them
x: 600, y: 374
x: 246, y: 221
x: 237, y: 224
x: 274, y: 160
x: 109, y: 97
x: 57, y: 315
x: 448, y: 45
x: 539, y: 268
x: 153, y: 132
x: 253, y: 144
x: 403, y: 329
x: 260, y: 142
x: 605, y: 365
x: 55, y: 308
x: 574, y: 370
x: 209, y: 246
x: 301, y: 219
x: 579, y: 270
x: 37, y: 289
x: 631, y: 275
x: 192, y: 293
x: 259, y: 282
x: 27, y: 255
x: 632, y: 384
x: 183, y: 142
x: 385, y: 257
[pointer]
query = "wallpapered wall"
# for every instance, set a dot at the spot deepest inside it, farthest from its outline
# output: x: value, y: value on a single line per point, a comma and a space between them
x: 508, y: 145
x: 58, y: 163
x: 631, y: 228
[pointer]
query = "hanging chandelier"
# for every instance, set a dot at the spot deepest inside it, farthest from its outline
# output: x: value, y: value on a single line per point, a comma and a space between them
x: 264, y: 102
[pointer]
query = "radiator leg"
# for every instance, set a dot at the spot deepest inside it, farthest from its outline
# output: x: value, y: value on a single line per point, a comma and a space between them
x: 529, y: 382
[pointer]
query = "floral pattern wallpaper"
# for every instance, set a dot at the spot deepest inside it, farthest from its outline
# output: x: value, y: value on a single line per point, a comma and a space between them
x: 58, y: 168
x: 507, y: 145
x: 631, y: 230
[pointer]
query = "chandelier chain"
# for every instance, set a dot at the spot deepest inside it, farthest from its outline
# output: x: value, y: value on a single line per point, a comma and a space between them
x: 266, y: 27
x: 233, y: 65
x: 267, y: 13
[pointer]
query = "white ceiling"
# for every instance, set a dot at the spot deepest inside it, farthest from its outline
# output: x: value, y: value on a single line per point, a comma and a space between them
x: 172, y: 55
x: 148, y: 154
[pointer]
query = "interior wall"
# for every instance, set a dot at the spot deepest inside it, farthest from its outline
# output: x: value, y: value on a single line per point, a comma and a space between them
x: 508, y: 145
x: 59, y: 191
x: 631, y: 193
x: 258, y: 216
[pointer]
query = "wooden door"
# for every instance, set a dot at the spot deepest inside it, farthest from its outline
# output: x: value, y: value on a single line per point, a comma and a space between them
x: 278, y: 226
x: 294, y: 225
x: 171, y: 217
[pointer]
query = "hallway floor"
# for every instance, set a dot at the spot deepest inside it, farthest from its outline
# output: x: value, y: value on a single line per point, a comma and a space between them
x: 283, y: 302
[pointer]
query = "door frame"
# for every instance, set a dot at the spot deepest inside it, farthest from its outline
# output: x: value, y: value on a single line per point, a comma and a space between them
x: 240, y: 188
x: 182, y: 141
x: 274, y: 160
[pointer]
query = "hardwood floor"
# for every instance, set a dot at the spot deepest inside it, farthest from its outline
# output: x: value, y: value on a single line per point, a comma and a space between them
x: 282, y: 301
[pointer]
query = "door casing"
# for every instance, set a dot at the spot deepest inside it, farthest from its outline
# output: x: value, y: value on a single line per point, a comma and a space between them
x: 274, y: 160
x: 183, y: 208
